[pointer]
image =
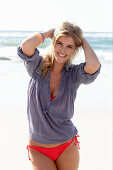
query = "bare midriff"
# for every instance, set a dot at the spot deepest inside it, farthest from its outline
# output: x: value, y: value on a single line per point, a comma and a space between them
x: 31, y: 142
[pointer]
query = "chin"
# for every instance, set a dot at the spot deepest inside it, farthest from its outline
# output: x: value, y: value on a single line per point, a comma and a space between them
x: 60, y: 61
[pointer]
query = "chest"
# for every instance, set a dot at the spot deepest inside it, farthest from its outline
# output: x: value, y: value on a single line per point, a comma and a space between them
x: 50, y: 86
x: 55, y: 81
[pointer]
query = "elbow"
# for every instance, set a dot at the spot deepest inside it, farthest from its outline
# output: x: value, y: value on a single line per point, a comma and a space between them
x: 91, y: 69
x: 23, y: 45
x: 26, y: 49
x: 96, y: 66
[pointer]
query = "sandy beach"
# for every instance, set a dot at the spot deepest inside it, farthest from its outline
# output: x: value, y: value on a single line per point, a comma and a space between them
x: 93, y: 119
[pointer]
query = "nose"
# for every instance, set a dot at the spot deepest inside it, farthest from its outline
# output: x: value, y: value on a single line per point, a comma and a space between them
x: 63, y: 50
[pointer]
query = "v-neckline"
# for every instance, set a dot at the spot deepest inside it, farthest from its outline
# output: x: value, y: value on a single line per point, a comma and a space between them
x: 57, y: 95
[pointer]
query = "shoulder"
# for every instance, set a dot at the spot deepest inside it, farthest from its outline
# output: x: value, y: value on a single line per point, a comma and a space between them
x: 74, y: 67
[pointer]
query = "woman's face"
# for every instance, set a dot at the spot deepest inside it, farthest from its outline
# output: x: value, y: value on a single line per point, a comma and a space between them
x: 64, y: 49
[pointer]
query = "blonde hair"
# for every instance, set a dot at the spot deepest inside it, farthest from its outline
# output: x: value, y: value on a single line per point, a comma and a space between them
x: 66, y: 29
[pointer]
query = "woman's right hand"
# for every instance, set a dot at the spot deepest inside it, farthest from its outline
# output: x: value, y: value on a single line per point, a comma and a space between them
x: 49, y: 34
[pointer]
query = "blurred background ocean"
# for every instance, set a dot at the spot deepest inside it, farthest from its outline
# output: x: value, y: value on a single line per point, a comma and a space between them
x: 101, y: 42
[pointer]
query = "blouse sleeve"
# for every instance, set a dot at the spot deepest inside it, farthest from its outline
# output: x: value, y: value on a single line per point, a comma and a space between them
x: 31, y: 63
x: 79, y: 76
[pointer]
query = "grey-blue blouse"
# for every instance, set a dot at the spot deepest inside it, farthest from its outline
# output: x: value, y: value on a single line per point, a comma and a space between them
x: 50, y: 121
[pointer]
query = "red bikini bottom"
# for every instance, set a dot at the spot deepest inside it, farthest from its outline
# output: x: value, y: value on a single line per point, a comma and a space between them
x: 54, y: 152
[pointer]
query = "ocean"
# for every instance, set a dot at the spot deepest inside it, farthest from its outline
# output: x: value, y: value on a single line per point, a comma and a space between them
x: 101, y: 42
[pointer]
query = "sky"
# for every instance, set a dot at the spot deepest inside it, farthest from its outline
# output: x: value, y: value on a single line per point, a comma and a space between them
x: 89, y: 15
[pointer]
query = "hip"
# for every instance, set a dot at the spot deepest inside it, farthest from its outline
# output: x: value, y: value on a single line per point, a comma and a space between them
x: 34, y: 143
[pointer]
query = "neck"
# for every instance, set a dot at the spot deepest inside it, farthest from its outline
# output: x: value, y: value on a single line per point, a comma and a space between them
x: 57, y: 68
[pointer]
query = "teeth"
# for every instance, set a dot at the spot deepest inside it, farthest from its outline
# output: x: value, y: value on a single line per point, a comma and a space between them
x: 61, y: 55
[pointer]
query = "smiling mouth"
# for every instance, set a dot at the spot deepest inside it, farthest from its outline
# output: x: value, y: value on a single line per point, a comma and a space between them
x: 61, y: 55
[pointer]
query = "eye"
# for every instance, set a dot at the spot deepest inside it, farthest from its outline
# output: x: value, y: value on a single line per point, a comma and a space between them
x: 70, y: 46
x: 58, y: 42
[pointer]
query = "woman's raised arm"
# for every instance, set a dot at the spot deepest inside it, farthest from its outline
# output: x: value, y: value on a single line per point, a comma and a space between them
x: 92, y: 61
x: 29, y: 44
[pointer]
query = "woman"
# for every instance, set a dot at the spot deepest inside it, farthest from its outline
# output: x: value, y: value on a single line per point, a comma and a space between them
x: 52, y: 91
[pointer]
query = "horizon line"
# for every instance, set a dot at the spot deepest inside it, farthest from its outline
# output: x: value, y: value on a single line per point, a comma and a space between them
x: 22, y: 30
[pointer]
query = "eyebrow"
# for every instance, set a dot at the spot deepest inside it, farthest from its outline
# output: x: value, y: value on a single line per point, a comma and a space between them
x: 67, y: 45
x: 59, y: 41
